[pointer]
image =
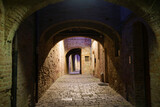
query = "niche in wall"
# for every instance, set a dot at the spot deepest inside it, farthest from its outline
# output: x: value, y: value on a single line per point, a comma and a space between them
x: 86, y: 58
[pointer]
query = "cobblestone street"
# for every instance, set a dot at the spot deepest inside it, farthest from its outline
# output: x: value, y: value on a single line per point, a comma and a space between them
x: 81, y: 91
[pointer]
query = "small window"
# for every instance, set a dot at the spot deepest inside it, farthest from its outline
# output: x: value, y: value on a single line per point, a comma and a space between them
x: 86, y: 58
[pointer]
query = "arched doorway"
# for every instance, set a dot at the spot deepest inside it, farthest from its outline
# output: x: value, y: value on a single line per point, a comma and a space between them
x: 24, y: 65
x: 71, y: 62
x: 141, y: 64
x: 95, y: 61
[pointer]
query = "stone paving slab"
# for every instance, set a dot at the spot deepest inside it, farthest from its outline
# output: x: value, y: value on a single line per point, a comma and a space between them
x: 81, y: 91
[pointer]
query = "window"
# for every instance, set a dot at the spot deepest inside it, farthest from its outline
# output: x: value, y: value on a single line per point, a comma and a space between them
x: 86, y: 58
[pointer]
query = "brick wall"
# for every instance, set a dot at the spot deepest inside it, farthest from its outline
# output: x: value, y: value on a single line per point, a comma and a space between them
x: 26, y: 72
x: 69, y: 10
x: 3, y: 95
x: 114, y: 67
x: 154, y: 58
x: 19, y: 11
x: 127, y: 61
x: 98, y: 66
x: 2, y: 19
x: 26, y: 63
x: 52, y: 69
x: 138, y: 79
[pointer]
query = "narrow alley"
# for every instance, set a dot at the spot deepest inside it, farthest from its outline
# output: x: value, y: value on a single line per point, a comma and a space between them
x: 81, y: 91
x: 79, y: 53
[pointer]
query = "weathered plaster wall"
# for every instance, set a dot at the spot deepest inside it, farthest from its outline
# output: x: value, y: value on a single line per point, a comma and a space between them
x: 98, y: 54
x: 85, y: 45
x: 53, y: 68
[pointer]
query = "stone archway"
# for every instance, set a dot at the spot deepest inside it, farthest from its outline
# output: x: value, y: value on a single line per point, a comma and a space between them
x: 20, y: 10
x: 28, y: 7
x: 99, y: 32
x: 75, y: 51
x: 51, y: 36
x: 139, y: 58
x: 61, y: 35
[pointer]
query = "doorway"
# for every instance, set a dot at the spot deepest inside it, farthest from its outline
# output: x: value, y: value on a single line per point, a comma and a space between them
x: 73, y: 58
x: 141, y: 65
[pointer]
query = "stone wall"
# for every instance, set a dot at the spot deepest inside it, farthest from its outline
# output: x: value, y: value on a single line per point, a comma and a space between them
x: 19, y: 9
x: 138, y: 41
x: 114, y: 67
x: 69, y: 10
x: 127, y: 61
x: 5, y: 64
x: 86, y: 63
x: 85, y: 45
x: 2, y: 19
x: 154, y: 59
x: 52, y: 69
x: 98, y: 59
x: 26, y: 63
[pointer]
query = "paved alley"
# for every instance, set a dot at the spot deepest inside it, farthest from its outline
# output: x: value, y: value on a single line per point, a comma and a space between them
x: 81, y: 91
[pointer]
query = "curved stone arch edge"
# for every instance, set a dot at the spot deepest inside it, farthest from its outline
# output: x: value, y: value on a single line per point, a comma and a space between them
x: 43, y: 4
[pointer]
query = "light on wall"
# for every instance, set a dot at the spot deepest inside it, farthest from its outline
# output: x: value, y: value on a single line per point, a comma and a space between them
x: 130, y: 59
x: 61, y: 44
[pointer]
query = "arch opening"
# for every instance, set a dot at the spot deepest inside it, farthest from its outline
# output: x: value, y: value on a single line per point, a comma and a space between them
x: 110, y: 59
x: 84, y: 28
x: 73, y: 60
x: 60, y: 61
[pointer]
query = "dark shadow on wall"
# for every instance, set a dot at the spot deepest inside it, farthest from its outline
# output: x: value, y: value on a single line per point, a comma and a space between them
x: 129, y: 73
x: 141, y: 65
x: 24, y: 62
x: 14, y: 72
x: 137, y: 42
